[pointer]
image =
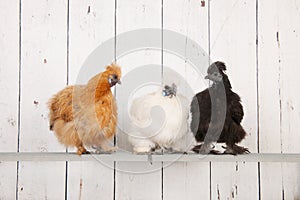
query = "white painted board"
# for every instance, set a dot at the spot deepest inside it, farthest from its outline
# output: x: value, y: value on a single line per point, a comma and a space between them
x: 269, y: 99
x: 289, y: 46
x: 52, y: 29
x: 9, y: 86
x: 190, y: 20
x: 43, y: 73
x: 136, y: 180
x: 133, y: 15
x: 233, y: 40
x: 91, y: 23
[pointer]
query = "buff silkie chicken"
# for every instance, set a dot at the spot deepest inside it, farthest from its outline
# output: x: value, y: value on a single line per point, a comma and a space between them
x: 159, y: 120
x: 86, y: 115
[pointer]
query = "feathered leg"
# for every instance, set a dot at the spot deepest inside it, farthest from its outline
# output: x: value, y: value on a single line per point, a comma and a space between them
x: 170, y: 150
x: 141, y: 145
x: 234, y: 149
x: 105, y: 148
x: 235, y: 134
x: 209, y: 137
x: 81, y: 150
x: 67, y: 135
x: 205, y: 148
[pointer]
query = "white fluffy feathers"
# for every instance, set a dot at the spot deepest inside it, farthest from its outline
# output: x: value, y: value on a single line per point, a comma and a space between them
x: 159, y: 121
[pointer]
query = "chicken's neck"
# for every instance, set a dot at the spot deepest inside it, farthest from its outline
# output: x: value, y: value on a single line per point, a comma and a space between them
x: 99, y: 94
x: 99, y: 85
x: 224, y: 84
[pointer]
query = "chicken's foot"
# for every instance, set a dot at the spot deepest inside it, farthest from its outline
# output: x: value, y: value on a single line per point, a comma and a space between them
x: 205, y: 148
x: 235, y: 149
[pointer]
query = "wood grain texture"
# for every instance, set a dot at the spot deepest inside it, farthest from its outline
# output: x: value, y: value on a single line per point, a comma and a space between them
x: 189, y: 19
x: 138, y: 180
x: 133, y: 15
x: 9, y: 86
x: 233, y: 40
x: 288, y: 43
x: 43, y: 72
x: 89, y: 180
x: 269, y: 98
x: 90, y: 24
x: 47, y: 43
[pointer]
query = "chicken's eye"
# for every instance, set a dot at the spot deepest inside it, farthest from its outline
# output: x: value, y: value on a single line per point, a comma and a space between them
x: 215, y: 74
x: 115, y: 76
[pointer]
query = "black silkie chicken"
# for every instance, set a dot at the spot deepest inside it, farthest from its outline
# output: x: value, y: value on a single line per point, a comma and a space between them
x: 217, y: 114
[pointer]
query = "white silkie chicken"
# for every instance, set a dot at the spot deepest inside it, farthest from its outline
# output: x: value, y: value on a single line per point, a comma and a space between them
x: 159, y: 120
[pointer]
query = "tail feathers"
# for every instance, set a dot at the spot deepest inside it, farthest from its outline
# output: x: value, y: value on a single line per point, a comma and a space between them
x: 237, y: 134
x: 51, y: 127
x: 205, y: 149
x: 235, y: 149
x: 66, y: 133
x: 51, y: 116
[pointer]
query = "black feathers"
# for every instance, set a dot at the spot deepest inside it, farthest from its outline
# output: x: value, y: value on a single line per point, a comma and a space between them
x: 217, y: 114
x: 217, y: 66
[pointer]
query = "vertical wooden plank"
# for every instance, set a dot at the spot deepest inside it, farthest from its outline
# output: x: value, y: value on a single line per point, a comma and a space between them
x: 233, y: 37
x: 189, y: 19
x: 137, y: 180
x: 186, y: 181
x: 90, y: 24
x: 43, y: 72
x: 88, y: 180
x: 269, y: 98
x: 288, y: 41
x: 9, y: 86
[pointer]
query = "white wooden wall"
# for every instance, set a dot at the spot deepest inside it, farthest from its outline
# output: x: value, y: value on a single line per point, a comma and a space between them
x: 43, y: 45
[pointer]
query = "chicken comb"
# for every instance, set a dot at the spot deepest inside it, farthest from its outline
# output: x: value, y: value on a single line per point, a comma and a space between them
x: 114, y: 68
x: 216, y: 65
x: 169, y: 90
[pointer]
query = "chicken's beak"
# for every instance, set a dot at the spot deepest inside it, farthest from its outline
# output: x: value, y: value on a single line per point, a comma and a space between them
x: 119, y: 82
x: 112, y: 82
x: 209, y: 77
x: 214, y: 78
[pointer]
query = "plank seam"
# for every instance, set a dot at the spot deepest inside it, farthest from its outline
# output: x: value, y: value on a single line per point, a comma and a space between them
x: 257, y: 79
x: 280, y: 97
x: 115, y: 90
x: 162, y: 41
x: 19, y: 98
x: 209, y: 52
x: 68, y: 41
x: 67, y: 83
x: 162, y: 78
x: 257, y: 98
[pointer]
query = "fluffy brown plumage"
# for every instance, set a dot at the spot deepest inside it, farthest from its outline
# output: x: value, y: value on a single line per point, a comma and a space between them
x: 217, y: 114
x: 86, y: 115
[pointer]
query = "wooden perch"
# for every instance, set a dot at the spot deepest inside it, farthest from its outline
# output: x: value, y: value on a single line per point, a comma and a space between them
x: 128, y: 157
